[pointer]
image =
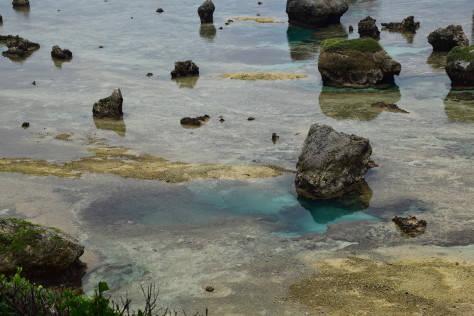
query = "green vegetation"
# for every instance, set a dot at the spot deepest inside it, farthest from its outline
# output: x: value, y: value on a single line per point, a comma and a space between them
x: 465, y: 53
x: 359, y: 44
x: 18, y: 296
x: 24, y: 234
x: 262, y: 76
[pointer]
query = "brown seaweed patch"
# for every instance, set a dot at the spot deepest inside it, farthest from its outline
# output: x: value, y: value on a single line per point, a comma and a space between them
x: 262, y: 76
x: 119, y: 161
x: 65, y: 137
x: 416, y: 286
x: 257, y: 19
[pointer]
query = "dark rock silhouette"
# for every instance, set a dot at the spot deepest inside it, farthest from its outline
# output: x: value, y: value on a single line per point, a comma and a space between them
x: 184, y: 68
x: 407, y: 25
x: 410, y: 226
x: 206, y: 11
x: 315, y: 13
x: 110, y: 107
x: 195, y: 121
x: 58, y: 53
x: 444, y: 39
x: 18, y: 47
x: 368, y: 28
x: 21, y: 3
x: 460, y: 67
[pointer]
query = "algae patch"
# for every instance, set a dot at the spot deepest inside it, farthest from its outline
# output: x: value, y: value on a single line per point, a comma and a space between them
x: 257, y: 19
x: 416, y: 286
x: 262, y: 76
x: 118, y: 160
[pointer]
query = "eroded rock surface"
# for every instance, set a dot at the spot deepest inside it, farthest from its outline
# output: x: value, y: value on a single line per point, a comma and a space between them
x: 315, y: 13
x: 21, y: 3
x: 460, y: 67
x: 368, y: 28
x: 407, y: 25
x: 444, y: 39
x: 195, y: 121
x: 58, y: 53
x: 185, y: 68
x: 410, y: 226
x: 18, y: 47
x: 206, y: 11
x: 110, y: 107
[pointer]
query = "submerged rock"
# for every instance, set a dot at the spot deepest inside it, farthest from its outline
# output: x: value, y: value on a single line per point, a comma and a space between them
x: 315, y: 13
x: 356, y: 63
x: 368, y: 28
x: 58, y: 53
x: 21, y: 3
x: 206, y: 11
x: 410, y: 226
x: 331, y: 163
x: 184, y: 68
x: 18, y: 47
x: 460, y: 67
x: 42, y: 252
x: 407, y: 25
x: 391, y: 107
x: 110, y: 107
x: 195, y: 121
x: 444, y: 39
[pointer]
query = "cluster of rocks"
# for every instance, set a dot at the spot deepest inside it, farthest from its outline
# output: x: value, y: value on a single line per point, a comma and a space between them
x: 407, y: 25
x: 410, y: 226
x: 18, y: 47
x: 195, y: 121
x: 206, y: 11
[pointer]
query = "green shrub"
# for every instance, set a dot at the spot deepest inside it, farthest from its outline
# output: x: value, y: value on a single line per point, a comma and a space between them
x: 359, y: 44
x: 465, y: 53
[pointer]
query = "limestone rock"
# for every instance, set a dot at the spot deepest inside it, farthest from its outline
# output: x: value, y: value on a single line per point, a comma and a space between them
x: 444, y: 39
x: 110, y: 107
x: 356, y: 63
x: 21, y: 3
x: 410, y: 226
x: 195, y: 121
x: 331, y: 163
x: 58, y: 53
x: 185, y: 68
x: 368, y: 28
x: 36, y: 249
x: 315, y: 13
x: 407, y: 25
x: 18, y: 47
x: 206, y: 11
x: 460, y: 67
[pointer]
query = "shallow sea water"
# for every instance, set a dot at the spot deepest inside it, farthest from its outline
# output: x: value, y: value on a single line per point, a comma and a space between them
x: 243, y: 237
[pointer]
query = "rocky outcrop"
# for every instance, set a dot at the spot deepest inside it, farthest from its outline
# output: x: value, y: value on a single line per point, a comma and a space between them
x: 331, y: 163
x: 21, y: 3
x: 58, y: 53
x: 444, y: 39
x: 460, y: 67
x: 40, y: 251
x: 185, y: 68
x: 315, y: 13
x: 407, y: 25
x: 368, y: 28
x: 206, y: 11
x: 18, y: 47
x: 110, y: 107
x: 195, y: 121
x: 356, y: 63
x: 410, y: 226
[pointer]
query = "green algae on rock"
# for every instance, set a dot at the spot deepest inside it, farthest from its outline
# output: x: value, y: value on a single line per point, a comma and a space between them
x: 262, y: 76
x: 258, y: 20
x: 119, y: 161
x: 359, y: 44
x: 465, y: 53
x: 429, y: 286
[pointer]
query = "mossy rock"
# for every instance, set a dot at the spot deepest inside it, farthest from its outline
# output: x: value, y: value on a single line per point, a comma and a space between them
x: 358, y: 44
x: 35, y: 248
x: 462, y: 53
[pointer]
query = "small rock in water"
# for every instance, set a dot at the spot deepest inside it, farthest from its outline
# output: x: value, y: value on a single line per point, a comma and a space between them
x: 25, y: 125
x: 410, y: 226
x: 195, y: 121
x: 275, y: 137
x: 221, y: 120
x: 251, y: 118
x: 149, y: 74
x: 220, y: 28
x: 101, y: 46
x: 259, y: 3
x: 21, y: 3
x: 160, y: 10
x: 110, y: 107
x: 209, y: 288
x: 58, y: 53
x: 185, y: 68
x: 34, y: 83
x: 351, y: 29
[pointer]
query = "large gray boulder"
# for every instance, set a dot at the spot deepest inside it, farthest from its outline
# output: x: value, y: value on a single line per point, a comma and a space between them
x: 206, y: 11
x: 444, y: 39
x: 37, y: 249
x: 315, y: 13
x: 21, y: 3
x: 110, y: 107
x: 356, y: 63
x: 460, y: 67
x: 331, y: 163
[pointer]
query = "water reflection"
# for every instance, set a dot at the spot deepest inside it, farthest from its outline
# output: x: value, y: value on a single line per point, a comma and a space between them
x: 459, y: 106
x: 304, y: 43
x: 409, y: 36
x: 59, y: 62
x: 22, y: 10
x: 186, y: 82
x: 352, y: 104
x: 118, y: 126
x: 437, y: 60
x: 207, y: 31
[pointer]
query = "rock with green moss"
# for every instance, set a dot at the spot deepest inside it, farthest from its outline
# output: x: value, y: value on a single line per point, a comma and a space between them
x: 460, y: 67
x: 356, y: 63
x: 331, y: 163
x: 39, y: 250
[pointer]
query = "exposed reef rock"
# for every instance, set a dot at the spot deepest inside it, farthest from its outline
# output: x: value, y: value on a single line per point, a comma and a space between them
x: 18, y: 47
x: 410, y: 226
x: 195, y: 121
x: 391, y: 107
x: 315, y: 13
x: 42, y: 252
x: 58, y: 53
x: 444, y: 39
x: 356, y: 63
x: 110, y: 107
x: 331, y: 163
x: 185, y: 68
x: 407, y: 25
x: 206, y: 11
x: 460, y: 67
x: 21, y: 3
x: 368, y: 28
